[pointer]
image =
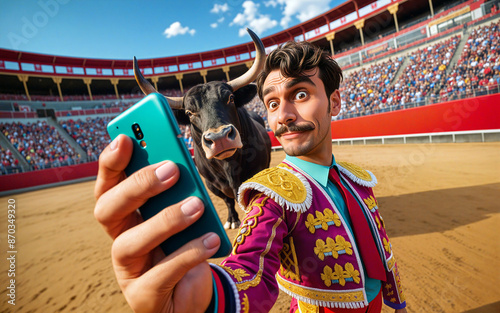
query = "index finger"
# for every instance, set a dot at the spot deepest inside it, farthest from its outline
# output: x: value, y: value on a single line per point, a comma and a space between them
x: 112, y: 162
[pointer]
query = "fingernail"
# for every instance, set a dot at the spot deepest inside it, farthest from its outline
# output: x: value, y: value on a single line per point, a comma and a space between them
x: 165, y: 171
x: 191, y: 206
x: 211, y: 241
x: 113, y: 144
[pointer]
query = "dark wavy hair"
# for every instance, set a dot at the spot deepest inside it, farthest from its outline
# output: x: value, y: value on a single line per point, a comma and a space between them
x: 294, y: 58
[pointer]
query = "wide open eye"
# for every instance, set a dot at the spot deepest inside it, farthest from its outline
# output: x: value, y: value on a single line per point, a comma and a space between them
x: 300, y: 95
x: 189, y: 113
x: 272, y: 105
x: 231, y: 99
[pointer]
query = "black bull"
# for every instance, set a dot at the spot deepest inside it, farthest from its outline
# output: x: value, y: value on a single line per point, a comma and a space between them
x: 230, y: 143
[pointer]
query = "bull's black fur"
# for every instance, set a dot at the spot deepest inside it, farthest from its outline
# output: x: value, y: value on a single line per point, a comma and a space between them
x: 210, y: 104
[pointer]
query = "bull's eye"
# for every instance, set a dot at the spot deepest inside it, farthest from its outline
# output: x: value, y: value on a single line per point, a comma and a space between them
x: 231, y: 99
x: 189, y: 113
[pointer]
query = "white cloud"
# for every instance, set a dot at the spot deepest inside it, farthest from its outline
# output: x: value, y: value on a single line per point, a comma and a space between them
x: 215, y: 25
x: 219, y: 8
x: 176, y: 29
x: 253, y: 19
x: 271, y: 3
x: 303, y: 10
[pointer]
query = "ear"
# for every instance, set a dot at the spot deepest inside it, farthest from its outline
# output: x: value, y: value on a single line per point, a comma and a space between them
x: 244, y: 95
x: 181, y: 117
x: 335, y: 103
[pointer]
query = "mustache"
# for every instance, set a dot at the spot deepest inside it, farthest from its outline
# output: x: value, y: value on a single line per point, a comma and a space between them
x: 292, y: 127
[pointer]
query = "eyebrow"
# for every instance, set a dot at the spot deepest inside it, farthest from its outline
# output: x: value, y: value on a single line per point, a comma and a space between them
x: 290, y: 84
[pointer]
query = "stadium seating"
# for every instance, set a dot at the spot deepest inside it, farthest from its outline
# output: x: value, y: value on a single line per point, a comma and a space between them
x: 40, y: 144
x: 90, y: 134
x: 477, y: 71
x: 366, y: 90
x: 8, y: 164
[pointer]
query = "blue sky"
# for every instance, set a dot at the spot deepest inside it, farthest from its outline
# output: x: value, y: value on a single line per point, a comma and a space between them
x: 146, y: 29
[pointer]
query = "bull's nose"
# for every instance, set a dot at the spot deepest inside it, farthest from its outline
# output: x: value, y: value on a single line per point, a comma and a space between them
x: 228, y: 132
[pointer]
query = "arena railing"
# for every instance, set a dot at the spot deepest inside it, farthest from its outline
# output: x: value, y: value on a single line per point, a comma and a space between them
x: 421, y: 138
x: 5, y: 170
x: 428, y: 100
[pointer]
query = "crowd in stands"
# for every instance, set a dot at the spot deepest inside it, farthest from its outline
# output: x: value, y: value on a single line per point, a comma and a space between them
x: 426, y: 72
x: 257, y: 106
x: 89, y: 133
x: 186, y: 134
x: 40, y: 144
x: 8, y: 163
x: 428, y: 77
x: 373, y: 89
x: 477, y: 71
x: 367, y: 89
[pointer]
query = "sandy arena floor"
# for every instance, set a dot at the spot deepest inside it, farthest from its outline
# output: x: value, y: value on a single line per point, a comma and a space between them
x: 440, y: 203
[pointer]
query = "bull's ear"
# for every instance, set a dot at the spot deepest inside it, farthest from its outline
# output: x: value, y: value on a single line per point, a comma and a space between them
x: 244, y: 95
x: 181, y: 117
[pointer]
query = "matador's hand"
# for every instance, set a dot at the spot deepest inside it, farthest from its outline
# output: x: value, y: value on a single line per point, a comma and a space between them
x: 151, y: 282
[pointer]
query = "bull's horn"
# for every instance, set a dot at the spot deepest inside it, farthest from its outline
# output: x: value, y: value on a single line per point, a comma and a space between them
x: 258, y: 65
x: 147, y: 88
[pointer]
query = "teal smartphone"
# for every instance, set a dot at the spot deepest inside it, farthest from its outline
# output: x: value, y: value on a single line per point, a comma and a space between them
x: 156, y: 137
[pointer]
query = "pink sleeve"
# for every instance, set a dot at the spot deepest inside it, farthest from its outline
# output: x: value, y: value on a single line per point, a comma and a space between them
x: 254, y: 261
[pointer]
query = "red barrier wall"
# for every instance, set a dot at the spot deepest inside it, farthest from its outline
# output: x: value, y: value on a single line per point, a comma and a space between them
x: 274, y: 141
x: 48, y: 176
x: 478, y: 113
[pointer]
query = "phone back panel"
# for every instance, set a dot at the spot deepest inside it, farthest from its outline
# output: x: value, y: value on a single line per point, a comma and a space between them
x: 163, y: 141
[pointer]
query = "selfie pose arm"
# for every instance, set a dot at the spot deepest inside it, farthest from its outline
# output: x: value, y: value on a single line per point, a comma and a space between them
x: 150, y: 281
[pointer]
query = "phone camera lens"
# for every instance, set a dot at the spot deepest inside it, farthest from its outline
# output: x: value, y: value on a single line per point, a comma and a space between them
x: 137, y: 131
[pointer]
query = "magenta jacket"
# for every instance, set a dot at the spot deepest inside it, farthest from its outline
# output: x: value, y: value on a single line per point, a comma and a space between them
x: 293, y: 238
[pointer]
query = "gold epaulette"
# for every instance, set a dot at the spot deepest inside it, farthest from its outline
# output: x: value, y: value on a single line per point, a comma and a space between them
x: 357, y: 174
x: 289, y: 189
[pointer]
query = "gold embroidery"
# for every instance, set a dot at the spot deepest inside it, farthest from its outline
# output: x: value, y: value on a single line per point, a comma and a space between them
x: 289, y: 263
x: 248, y: 223
x: 340, y: 275
x: 256, y: 279
x: 287, y: 187
x: 307, y: 308
x: 284, y: 165
x: 356, y: 171
x: 332, y: 247
x: 399, y: 288
x: 322, y: 220
x: 378, y: 222
x: 246, y: 304
x: 284, y: 183
x: 371, y: 203
x: 390, y: 263
x: 387, y: 245
x: 351, y: 272
x: 237, y: 273
x: 319, y: 295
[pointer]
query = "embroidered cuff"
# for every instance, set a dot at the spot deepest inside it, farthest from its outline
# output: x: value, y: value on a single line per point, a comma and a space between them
x: 213, y: 306
x: 228, y: 298
x: 395, y: 306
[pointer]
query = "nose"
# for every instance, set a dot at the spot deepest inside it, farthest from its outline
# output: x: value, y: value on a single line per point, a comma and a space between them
x: 228, y: 132
x: 286, y: 113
